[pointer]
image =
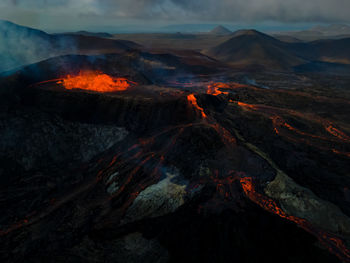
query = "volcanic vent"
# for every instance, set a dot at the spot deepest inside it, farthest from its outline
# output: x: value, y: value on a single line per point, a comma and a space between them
x: 158, y: 173
x: 96, y: 81
x: 90, y: 80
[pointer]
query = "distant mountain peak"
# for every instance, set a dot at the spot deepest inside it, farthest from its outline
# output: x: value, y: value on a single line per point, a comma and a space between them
x: 5, y: 24
x: 248, y: 32
x: 91, y: 34
x: 249, y: 48
x: 253, y: 35
x: 220, y: 30
x: 333, y: 29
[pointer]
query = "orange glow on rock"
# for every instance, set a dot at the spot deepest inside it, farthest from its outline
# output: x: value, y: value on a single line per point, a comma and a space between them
x: 263, y: 201
x: 214, y: 89
x: 334, y: 244
x: 347, y: 154
x: 95, y: 81
x: 246, y: 106
x: 337, y: 133
x: 192, y: 99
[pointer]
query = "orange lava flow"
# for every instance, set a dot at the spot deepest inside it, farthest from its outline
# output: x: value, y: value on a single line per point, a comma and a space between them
x: 337, y: 133
x: 214, y: 89
x: 334, y: 244
x: 347, y: 154
x: 192, y: 99
x: 226, y: 136
x: 246, y: 106
x: 95, y: 81
x: 279, y: 122
x: 263, y: 201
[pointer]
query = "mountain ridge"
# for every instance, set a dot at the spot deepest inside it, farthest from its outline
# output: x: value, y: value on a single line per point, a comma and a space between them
x: 220, y: 30
x: 22, y: 45
x: 251, y: 47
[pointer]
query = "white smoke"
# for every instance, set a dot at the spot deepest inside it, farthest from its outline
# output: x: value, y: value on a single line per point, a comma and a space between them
x: 20, y: 46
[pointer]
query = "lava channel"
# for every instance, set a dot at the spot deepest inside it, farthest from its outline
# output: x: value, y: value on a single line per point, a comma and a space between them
x: 193, y: 100
x: 333, y: 243
x: 214, y: 89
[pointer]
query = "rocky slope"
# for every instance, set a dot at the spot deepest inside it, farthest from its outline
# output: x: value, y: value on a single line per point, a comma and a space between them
x: 21, y: 45
x: 203, y: 172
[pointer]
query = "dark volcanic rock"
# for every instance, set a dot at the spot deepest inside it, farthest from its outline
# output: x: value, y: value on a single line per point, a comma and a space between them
x: 163, y: 174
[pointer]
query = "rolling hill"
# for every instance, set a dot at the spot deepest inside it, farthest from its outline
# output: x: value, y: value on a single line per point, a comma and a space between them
x: 252, y: 48
x: 334, y: 31
x: 243, y: 49
x: 337, y: 51
x: 91, y: 34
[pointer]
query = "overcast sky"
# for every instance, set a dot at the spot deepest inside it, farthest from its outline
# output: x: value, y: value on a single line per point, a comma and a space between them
x: 108, y: 14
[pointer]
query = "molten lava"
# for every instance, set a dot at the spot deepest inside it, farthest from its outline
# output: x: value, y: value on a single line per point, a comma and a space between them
x: 278, y: 123
x: 247, y: 106
x: 337, y: 133
x: 192, y: 99
x: 334, y: 244
x: 95, y: 81
x: 214, y: 89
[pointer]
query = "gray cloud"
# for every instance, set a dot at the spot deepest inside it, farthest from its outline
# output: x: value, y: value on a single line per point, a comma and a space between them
x: 186, y: 10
